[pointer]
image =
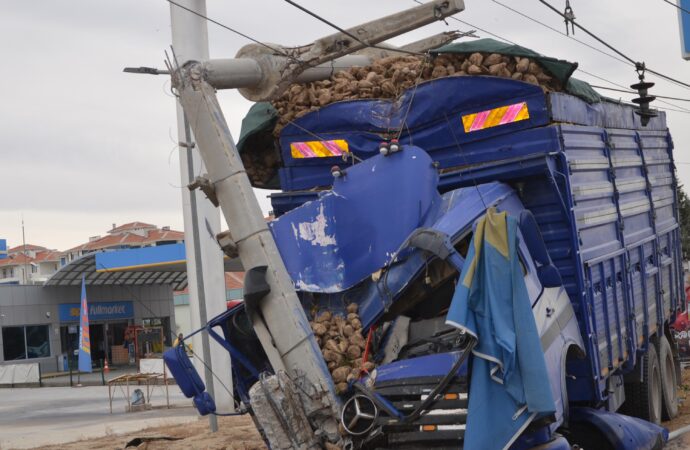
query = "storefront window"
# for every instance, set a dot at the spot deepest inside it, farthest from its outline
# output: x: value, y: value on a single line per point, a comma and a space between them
x: 25, y: 342
x: 37, y: 342
x: 163, y: 322
x: 13, y: 344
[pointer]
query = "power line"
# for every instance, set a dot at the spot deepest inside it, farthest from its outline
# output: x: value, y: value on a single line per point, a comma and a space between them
x: 582, y: 42
x: 562, y: 33
x: 239, y: 33
x: 344, y: 31
x: 682, y: 110
x: 627, y: 91
x: 677, y: 6
x: 687, y: 86
x: 504, y: 39
x: 623, y: 55
x: 568, y: 36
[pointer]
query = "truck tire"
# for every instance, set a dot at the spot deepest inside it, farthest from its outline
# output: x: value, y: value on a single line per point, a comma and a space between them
x: 643, y: 399
x: 669, y: 382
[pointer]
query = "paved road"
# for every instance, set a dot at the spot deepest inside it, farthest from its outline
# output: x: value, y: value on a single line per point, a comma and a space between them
x: 31, y: 417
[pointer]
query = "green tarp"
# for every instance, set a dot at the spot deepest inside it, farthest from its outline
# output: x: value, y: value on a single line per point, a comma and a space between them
x: 261, y: 118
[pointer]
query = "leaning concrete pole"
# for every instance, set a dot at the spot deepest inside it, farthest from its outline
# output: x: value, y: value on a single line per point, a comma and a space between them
x: 201, y: 223
x: 282, y: 326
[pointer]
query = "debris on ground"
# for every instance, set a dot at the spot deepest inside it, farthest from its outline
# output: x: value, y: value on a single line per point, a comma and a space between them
x: 234, y: 433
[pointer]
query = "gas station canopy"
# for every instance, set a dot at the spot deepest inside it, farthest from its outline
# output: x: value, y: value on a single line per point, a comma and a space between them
x: 162, y: 265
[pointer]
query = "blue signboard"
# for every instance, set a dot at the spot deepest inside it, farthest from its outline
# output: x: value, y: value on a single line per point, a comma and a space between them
x: 69, y: 312
x: 3, y: 249
x: 684, y: 19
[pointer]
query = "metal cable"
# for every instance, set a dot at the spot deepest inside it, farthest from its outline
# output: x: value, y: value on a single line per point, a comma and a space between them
x: 239, y: 33
x: 628, y: 91
x: 623, y: 55
x: 580, y: 69
x: 347, y: 33
x: 677, y: 6
x: 562, y: 33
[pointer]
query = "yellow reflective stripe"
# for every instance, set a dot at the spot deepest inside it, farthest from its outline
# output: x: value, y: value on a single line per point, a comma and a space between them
x: 495, y: 117
x: 318, y: 149
x: 523, y: 114
x: 489, y: 118
x: 467, y: 121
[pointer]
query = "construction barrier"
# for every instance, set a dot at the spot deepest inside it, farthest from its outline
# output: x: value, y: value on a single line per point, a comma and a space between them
x: 20, y: 374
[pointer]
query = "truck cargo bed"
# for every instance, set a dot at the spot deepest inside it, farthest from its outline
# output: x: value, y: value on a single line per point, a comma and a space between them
x: 601, y: 186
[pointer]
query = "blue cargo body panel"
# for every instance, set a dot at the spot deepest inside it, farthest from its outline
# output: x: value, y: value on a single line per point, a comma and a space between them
x: 604, y: 202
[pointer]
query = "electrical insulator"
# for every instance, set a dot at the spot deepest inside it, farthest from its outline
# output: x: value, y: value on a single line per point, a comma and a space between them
x: 644, y: 99
x: 569, y: 18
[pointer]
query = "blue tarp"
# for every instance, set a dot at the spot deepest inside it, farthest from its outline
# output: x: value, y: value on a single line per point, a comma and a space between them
x: 509, y: 385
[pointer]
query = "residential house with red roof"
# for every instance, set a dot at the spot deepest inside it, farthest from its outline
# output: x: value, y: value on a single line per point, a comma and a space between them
x: 129, y: 235
x: 34, y: 264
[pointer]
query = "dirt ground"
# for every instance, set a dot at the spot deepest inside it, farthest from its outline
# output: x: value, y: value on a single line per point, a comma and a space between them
x: 238, y: 433
x: 234, y: 433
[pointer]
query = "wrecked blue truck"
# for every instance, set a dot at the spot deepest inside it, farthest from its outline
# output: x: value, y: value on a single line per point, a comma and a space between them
x: 388, y: 227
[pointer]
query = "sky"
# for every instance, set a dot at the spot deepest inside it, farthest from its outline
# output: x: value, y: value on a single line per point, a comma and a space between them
x: 84, y: 145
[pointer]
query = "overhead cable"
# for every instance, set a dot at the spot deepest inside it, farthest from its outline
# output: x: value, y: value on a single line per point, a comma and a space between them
x: 347, y: 33
x: 239, y: 33
x: 628, y: 91
x: 562, y: 33
x: 677, y: 6
x: 623, y: 55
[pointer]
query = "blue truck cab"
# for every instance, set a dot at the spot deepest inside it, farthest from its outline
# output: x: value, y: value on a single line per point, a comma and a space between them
x: 594, y: 194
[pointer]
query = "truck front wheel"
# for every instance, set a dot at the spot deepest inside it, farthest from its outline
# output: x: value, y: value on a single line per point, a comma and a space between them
x: 643, y: 398
x: 669, y: 383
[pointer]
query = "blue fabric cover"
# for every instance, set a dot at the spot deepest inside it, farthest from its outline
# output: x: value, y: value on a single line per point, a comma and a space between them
x: 204, y: 403
x: 509, y: 384
x: 622, y: 432
x: 183, y: 371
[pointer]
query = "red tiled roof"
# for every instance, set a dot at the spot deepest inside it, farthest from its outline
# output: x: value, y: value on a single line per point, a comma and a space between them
x: 125, y: 238
x: 48, y: 255
x: 27, y: 247
x: 16, y: 260
x: 113, y: 240
x: 164, y: 235
x: 131, y: 226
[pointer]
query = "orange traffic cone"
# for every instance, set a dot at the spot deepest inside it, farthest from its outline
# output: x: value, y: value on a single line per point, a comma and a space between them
x: 106, y: 369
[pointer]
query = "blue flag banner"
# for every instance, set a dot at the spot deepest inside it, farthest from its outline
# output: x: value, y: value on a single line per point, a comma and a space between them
x: 509, y: 384
x: 84, y: 338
